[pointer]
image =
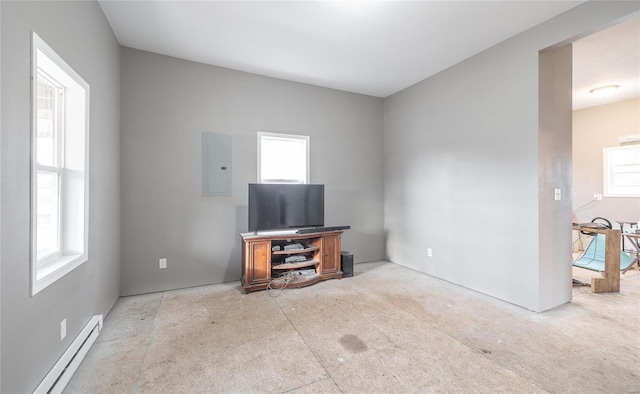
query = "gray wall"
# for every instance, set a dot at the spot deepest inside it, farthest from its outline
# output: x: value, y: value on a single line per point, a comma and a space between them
x: 167, y: 103
x: 593, y: 129
x: 462, y: 166
x: 79, y: 33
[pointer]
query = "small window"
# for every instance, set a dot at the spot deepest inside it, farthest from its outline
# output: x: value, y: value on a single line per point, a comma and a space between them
x: 59, y: 168
x: 622, y: 171
x: 283, y: 158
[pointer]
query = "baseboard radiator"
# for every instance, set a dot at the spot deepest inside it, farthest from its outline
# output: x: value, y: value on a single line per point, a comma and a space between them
x: 57, y: 379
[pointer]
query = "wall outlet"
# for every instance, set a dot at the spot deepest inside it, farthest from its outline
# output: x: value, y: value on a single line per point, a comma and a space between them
x: 163, y: 263
x: 597, y: 197
x: 63, y: 329
x: 429, y: 252
x: 557, y: 194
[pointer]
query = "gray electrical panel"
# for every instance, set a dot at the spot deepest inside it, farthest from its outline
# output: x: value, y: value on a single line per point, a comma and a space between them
x: 216, y: 164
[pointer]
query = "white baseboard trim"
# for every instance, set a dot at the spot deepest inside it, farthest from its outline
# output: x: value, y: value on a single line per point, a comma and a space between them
x: 58, y: 377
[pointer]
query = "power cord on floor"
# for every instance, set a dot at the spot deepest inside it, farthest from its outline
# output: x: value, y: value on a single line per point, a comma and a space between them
x: 283, y: 280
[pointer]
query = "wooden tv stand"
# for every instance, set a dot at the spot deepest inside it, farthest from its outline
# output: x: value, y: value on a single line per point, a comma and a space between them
x: 264, y: 254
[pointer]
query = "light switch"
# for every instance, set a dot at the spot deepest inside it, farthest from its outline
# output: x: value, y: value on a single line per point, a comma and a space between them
x: 557, y: 194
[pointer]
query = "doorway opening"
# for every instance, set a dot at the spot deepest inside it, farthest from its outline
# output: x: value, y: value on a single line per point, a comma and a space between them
x: 602, y: 126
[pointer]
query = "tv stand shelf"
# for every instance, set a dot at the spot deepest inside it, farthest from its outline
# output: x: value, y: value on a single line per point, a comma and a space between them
x: 298, y: 281
x: 292, y: 266
x: 260, y: 258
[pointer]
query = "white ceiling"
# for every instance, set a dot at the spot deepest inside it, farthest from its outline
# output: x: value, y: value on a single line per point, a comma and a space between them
x: 371, y: 47
x: 608, y: 57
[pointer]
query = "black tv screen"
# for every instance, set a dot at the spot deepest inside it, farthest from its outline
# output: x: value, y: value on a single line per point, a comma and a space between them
x: 285, y: 206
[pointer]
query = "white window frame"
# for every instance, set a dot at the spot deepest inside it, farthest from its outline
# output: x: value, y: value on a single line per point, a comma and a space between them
x: 621, y: 167
x: 304, y: 139
x: 71, y: 167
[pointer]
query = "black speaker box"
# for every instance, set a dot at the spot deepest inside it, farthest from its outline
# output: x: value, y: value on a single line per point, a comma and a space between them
x: 346, y: 261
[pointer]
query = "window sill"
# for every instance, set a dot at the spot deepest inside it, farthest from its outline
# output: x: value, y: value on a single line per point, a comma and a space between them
x: 49, y: 273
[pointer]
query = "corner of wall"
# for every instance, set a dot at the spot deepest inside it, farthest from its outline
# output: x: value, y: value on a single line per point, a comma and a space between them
x: 554, y: 166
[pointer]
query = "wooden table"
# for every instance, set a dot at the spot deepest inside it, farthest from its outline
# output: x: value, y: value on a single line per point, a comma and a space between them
x: 610, y: 283
x: 633, y: 239
x: 622, y: 223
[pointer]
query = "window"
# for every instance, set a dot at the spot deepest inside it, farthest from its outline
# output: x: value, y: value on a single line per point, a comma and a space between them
x: 59, y: 168
x: 622, y: 171
x: 283, y: 158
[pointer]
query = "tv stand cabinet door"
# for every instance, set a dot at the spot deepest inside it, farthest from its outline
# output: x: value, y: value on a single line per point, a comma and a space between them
x: 330, y: 254
x: 257, y: 262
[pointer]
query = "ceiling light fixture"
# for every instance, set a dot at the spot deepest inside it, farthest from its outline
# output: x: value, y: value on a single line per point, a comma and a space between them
x: 604, y: 91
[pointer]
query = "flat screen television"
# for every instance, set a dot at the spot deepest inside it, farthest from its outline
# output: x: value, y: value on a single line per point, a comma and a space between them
x: 285, y: 206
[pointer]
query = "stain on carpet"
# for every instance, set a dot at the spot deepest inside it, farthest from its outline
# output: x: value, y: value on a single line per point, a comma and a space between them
x: 353, y: 344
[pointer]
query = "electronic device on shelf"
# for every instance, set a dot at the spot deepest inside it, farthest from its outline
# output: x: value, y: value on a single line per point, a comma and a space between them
x: 305, y: 272
x: 285, y: 206
x: 294, y: 259
x: 293, y: 246
x: 287, y: 238
x: 311, y: 230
